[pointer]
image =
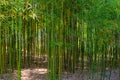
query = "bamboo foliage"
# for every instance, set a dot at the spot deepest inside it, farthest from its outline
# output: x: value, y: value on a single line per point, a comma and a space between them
x: 72, y: 34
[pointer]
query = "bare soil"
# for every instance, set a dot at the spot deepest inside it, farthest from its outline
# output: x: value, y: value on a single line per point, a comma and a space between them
x: 41, y: 74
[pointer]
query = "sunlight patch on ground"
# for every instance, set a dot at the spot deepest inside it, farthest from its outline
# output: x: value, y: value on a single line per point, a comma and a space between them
x: 37, y: 70
x: 37, y: 73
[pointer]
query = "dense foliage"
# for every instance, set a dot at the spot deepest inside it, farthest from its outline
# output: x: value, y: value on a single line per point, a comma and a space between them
x: 72, y: 33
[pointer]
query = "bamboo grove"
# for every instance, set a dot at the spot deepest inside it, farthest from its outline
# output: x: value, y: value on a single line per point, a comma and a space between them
x: 73, y: 34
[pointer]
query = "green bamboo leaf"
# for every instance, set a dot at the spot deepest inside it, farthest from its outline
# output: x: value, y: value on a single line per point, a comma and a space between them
x: 60, y: 44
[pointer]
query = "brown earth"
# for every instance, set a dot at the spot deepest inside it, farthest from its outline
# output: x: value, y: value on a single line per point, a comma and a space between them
x: 41, y: 74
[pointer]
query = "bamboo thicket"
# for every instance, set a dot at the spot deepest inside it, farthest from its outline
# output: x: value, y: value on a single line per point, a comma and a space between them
x: 71, y: 34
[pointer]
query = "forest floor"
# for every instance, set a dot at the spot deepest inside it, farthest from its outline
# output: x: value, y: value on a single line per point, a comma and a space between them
x: 41, y: 74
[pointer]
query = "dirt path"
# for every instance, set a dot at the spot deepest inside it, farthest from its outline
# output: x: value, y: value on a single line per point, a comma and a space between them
x: 41, y: 74
x: 27, y: 74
